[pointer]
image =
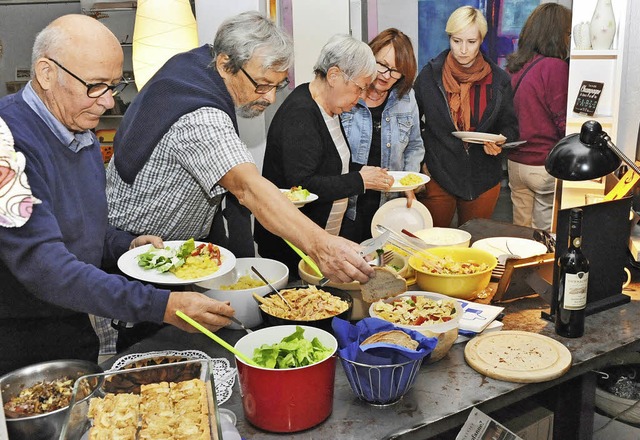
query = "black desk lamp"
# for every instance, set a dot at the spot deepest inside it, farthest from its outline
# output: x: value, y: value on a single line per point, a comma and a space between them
x: 586, y: 156
x: 606, y: 226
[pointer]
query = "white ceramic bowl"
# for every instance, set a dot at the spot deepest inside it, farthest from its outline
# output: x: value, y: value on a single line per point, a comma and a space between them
x: 446, y: 332
x: 439, y: 237
x: 242, y: 301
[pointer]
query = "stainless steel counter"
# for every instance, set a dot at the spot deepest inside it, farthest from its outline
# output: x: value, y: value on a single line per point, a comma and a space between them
x: 445, y: 391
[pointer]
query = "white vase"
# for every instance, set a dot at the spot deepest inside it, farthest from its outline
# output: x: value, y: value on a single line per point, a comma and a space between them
x: 603, y: 26
x: 582, y: 36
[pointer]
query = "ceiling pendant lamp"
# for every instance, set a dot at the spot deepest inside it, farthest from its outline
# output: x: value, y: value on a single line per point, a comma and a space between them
x: 163, y: 28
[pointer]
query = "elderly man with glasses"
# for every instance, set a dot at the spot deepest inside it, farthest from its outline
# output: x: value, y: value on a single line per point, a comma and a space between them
x: 50, y: 267
x: 177, y: 150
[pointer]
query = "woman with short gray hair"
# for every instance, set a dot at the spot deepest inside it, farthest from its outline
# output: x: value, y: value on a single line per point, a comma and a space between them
x: 351, y: 56
x: 306, y: 145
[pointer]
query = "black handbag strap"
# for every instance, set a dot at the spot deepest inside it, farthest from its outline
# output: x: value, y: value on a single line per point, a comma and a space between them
x: 524, y: 73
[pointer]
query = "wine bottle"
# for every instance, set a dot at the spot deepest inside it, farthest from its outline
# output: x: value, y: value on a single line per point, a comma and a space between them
x: 572, y: 281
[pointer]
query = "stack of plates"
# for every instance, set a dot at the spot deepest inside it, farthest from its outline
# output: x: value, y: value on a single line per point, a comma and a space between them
x: 519, y: 247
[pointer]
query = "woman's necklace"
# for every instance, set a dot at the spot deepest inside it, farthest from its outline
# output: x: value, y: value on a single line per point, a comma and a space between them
x: 376, y: 97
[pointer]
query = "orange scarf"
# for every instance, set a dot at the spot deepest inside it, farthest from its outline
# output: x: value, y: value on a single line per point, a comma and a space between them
x: 457, y: 83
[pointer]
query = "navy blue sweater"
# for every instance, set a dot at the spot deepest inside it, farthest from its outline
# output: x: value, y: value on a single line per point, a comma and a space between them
x: 184, y: 84
x: 50, y: 266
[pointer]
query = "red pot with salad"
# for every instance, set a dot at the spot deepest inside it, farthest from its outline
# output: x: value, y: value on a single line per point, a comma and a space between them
x: 291, y: 389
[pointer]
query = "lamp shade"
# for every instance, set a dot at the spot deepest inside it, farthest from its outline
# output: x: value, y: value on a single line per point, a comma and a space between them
x: 582, y: 157
x: 163, y: 28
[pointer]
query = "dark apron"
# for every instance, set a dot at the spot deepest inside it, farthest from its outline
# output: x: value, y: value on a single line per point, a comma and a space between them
x: 28, y: 341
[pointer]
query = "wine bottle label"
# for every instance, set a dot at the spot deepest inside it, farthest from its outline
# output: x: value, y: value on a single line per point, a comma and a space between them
x: 577, y: 242
x: 575, y: 290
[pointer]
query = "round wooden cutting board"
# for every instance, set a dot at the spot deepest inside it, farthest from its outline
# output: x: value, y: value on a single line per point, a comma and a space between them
x: 517, y: 356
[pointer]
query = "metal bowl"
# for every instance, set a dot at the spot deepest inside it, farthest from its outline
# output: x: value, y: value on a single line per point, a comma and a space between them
x: 48, y: 425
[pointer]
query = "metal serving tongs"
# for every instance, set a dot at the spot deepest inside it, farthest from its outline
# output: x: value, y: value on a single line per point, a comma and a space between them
x: 411, y: 246
x: 272, y: 288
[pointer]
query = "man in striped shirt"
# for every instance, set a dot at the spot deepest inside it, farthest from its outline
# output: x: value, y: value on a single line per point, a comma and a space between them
x: 177, y: 151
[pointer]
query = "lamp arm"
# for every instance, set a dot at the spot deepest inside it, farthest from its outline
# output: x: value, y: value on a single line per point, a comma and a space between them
x: 620, y: 154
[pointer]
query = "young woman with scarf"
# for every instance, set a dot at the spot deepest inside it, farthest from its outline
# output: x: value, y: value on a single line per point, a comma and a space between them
x: 462, y: 90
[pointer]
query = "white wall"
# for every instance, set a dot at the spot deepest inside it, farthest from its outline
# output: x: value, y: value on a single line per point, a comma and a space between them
x: 629, y: 118
x: 19, y: 25
x: 209, y: 16
x: 308, y: 37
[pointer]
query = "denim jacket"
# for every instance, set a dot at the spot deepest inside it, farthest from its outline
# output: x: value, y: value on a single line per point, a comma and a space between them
x: 402, y: 147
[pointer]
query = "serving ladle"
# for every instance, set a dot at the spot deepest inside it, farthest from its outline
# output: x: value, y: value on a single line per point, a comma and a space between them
x: 270, y: 285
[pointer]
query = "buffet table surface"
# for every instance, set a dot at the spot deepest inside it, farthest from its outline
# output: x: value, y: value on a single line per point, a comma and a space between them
x: 445, y: 391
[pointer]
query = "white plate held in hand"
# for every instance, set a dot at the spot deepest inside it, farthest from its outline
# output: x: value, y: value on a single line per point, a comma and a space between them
x: 300, y: 203
x: 397, y: 186
x: 475, y: 137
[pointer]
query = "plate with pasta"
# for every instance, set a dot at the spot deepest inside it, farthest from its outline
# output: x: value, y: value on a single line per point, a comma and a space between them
x: 407, y: 180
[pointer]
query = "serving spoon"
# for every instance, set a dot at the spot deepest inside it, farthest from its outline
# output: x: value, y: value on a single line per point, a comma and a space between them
x: 237, y: 321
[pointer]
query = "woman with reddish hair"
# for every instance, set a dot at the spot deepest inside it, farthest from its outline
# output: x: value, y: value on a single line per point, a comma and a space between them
x: 383, y: 129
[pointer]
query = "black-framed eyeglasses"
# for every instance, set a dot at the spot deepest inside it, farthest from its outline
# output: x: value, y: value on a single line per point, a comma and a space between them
x: 393, y: 73
x: 95, y: 90
x: 265, y: 88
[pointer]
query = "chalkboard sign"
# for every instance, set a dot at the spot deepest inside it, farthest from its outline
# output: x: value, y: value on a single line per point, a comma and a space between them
x: 588, y: 97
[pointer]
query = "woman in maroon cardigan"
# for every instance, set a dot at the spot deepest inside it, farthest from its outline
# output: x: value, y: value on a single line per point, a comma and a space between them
x: 540, y: 77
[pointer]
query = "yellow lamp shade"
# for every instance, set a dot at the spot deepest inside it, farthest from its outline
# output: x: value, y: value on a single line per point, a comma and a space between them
x: 163, y: 28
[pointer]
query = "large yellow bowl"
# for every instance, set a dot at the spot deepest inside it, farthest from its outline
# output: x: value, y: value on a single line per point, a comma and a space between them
x: 458, y: 286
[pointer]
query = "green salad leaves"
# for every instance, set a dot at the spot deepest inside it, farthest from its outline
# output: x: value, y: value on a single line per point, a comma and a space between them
x: 165, y: 259
x: 293, y: 351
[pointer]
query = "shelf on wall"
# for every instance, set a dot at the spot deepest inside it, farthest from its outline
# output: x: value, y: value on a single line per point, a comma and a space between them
x: 575, y: 118
x: 611, y: 53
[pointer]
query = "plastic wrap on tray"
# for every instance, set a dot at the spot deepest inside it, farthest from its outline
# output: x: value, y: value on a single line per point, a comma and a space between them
x: 78, y: 423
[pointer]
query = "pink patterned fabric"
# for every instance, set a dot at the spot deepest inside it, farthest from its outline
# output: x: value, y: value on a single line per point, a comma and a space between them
x: 16, y: 200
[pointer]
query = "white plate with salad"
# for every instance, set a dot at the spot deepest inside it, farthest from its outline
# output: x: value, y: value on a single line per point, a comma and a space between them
x: 147, y: 263
x: 299, y: 196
